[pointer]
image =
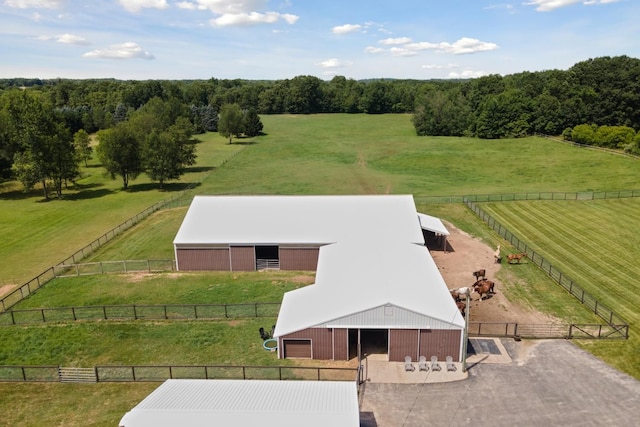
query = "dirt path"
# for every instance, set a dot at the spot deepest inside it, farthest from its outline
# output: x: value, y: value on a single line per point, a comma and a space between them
x: 470, y: 254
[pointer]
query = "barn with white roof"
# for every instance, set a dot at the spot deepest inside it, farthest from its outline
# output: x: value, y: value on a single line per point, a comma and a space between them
x: 377, y: 288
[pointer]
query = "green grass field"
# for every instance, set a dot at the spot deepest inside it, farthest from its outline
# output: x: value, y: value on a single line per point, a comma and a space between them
x: 318, y: 154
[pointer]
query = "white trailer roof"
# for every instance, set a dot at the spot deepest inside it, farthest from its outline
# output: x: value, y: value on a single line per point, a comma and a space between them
x: 199, y: 403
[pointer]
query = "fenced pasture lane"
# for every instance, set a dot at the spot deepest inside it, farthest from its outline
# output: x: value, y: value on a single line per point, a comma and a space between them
x: 591, y: 241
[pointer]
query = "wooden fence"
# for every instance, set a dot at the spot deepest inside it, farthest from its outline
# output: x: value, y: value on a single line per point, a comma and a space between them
x: 139, y: 312
x: 139, y: 373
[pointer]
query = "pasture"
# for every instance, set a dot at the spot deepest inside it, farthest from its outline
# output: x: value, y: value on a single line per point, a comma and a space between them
x: 317, y: 154
x: 594, y: 243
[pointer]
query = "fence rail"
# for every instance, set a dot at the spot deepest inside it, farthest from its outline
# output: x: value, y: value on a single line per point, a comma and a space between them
x: 562, y: 279
x: 139, y: 373
x: 107, y: 267
x: 548, y: 330
x: 140, y: 312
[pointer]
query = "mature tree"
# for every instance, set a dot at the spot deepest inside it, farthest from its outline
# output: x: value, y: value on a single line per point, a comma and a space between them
x: 253, y: 124
x: 120, y: 152
x: 61, y: 164
x: 166, y: 153
x: 82, y: 144
x: 444, y: 114
x: 25, y: 170
x: 584, y: 134
x: 231, y: 121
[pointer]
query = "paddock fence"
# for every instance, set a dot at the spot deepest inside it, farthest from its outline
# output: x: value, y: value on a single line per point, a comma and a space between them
x: 548, y: 330
x: 158, y: 373
x: 114, y: 267
x: 140, y: 312
x: 600, y: 309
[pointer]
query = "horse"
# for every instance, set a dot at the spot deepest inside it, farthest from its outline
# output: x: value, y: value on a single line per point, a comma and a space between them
x: 459, y: 293
x: 483, y: 287
x: 496, y: 255
x: 461, y: 306
x: 480, y: 273
x: 516, y: 257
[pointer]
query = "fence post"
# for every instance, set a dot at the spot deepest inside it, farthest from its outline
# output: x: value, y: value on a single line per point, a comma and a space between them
x: 135, y: 313
x: 73, y: 312
x: 42, y: 312
x: 95, y: 370
x: 133, y: 373
x: 104, y: 311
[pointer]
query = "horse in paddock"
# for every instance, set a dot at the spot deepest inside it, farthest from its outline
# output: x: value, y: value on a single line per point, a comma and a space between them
x: 459, y: 294
x: 461, y: 306
x: 480, y: 273
x: 516, y: 257
x: 483, y: 288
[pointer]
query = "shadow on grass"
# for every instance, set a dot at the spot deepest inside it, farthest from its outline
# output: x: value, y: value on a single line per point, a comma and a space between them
x: 167, y: 187
x: 87, y: 194
x: 197, y: 169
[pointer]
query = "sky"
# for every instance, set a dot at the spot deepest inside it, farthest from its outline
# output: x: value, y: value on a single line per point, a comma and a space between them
x: 282, y: 39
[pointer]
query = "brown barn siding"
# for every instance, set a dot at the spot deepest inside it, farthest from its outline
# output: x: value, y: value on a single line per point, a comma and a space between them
x: 203, y: 259
x: 321, y: 341
x: 403, y: 342
x: 243, y: 258
x: 340, y: 344
x: 441, y: 343
x: 299, y: 258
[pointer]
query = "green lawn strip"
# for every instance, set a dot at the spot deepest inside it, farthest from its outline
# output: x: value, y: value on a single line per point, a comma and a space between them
x: 229, y: 342
x: 70, y: 405
x: 167, y: 288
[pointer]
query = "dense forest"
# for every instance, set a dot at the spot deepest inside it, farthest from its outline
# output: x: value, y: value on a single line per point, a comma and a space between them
x: 596, y: 102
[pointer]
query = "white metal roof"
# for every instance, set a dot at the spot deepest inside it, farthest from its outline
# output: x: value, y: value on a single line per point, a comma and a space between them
x: 297, y: 220
x: 372, y: 254
x: 199, y: 403
x: 352, y: 279
x: 432, y: 223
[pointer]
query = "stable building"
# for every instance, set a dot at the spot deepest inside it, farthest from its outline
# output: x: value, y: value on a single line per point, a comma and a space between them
x: 377, y: 288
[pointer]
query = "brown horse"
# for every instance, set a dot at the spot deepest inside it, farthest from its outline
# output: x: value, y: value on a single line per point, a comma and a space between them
x: 483, y: 288
x: 480, y: 273
x: 516, y: 257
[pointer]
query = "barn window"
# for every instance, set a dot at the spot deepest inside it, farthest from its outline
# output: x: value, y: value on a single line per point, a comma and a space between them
x: 267, y: 257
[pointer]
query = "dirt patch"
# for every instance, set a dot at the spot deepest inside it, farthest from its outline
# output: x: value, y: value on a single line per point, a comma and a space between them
x: 6, y: 289
x: 305, y: 279
x: 470, y: 254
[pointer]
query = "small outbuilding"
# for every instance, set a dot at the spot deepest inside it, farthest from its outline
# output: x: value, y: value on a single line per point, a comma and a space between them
x: 200, y: 403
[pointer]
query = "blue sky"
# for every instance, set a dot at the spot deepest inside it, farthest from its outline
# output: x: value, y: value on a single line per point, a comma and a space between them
x: 280, y: 39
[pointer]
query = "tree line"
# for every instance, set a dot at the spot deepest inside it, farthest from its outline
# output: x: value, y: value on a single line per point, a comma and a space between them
x: 600, y: 92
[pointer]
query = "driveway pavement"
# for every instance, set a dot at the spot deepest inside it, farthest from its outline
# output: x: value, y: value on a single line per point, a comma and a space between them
x: 541, y: 383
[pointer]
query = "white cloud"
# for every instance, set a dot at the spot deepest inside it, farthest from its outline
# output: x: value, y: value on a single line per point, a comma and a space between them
x: 373, y: 49
x: 403, y: 51
x: 34, y: 4
x: 394, y: 41
x: 223, y: 7
x: 465, y: 45
x: 548, y: 5
x: 128, y: 50
x: 467, y: 74
x: 137, y: 5
x: 71, y: 39
x: 439, y: 66
x: 346, y: 28
x: 331, y: 63
x: 186, y: 5
x: 252, y: 18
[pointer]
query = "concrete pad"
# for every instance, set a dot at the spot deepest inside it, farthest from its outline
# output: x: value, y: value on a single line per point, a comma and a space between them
x: 547, y: 383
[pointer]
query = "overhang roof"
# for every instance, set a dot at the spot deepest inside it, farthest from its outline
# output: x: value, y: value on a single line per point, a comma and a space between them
x: 432, y: 223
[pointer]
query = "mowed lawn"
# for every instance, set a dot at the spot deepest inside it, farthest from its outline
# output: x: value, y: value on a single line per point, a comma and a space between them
x: 37, y: 234
x: 318, y: 154
x: 597, y: 245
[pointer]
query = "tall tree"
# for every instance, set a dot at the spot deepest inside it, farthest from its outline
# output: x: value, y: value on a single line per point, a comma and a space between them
x: 167, y: 153
x: 253, y: 124
x: 231, y: 122
x: 82, y: 144
x: 120, y: 152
